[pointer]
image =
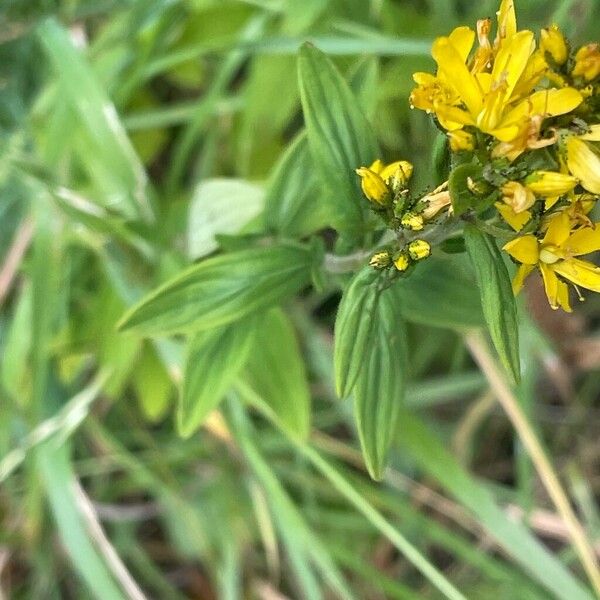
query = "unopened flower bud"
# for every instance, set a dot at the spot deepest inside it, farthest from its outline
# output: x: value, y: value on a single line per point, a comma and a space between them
x: 380, y: 260
x: 401, y: 261
x: 553, y: 42
x: 373, y: 186
x: 412, y: 221
x: 461, y: 140
x: 401, y: 171
x: 419, y: 249
x: 587, y: 62
x: 550, y: 183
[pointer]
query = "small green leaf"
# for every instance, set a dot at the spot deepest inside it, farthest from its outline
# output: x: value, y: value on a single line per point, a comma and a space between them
x: 275, y: 371
x: 292, y: 206
x: 354, y: 328
x: 440, y: 293
x: 497, y: 298
x: 380, y: 386
x: 223, y: 289
x: 339, y: 136
x: 214, y: 359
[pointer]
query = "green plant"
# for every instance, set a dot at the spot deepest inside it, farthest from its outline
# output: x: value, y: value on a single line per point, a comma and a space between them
x: 184, y: 237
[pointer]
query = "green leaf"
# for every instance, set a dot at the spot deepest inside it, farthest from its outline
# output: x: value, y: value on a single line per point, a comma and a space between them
x: 354, y: 328
x: 223, y: 289
x: 292, y: 206
x: 220, y: 206
x: 339, y: 136
x: 106, y: 151
x: 497, y: 298
x: 275, y: 371
x: 381, y: 382
x: 214, y: 359
x: 440, y: 293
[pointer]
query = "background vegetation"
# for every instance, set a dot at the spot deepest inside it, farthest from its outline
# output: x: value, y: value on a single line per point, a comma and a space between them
x: 138, y: 136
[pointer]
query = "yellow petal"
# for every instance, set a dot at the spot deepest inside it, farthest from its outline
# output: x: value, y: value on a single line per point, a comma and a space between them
x: 421, y: 78
x: 462, y: 39
x: 593, y: 134
x: 580, y: 272
x: 522, y: 273
x: 401, y: 169
x: 525, y: 249
x: 507, y: 20
x: 548, y: 103
x: 563, y: 296
x: 516, y: 220
x: 533, y: 73
x: 512, y: 59
x: 550, y: 183
x: 452, y: 118
x: 583, y: 241
x: 558, y: 230
x: 377, y: 166
x: 584, y: 163
x: 373, y: 186
x: 550, y: 201
x: 553, y: 42
x: 455, y: 71
x: 550, y: 284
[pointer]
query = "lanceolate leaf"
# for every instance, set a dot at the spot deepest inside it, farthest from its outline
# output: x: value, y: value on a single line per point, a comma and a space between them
x: 293, y: 204
x: 497, y: 298
x: 214, y: 359
x: 380, y: 386
x: 223, y: 289
x: 354, y: 328
x: 276, y: 373
x: 339, y: 135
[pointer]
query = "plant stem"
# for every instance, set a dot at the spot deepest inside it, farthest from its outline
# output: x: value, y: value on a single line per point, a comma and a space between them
x: 481, y: 353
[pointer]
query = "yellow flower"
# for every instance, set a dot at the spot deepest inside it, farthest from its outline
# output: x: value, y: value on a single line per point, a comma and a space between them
x: 553, y: 42
x: 556, y: 258
x: 493, y: 91
x: 518, y: 198
x: 583, y: 160
x: 587, y: 62
x: 378, y: 181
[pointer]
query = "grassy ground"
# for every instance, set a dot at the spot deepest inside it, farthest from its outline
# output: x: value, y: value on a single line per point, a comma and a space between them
x: 112, y: 111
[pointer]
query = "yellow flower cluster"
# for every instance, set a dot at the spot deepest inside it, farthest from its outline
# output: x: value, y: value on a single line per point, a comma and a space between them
x: 527, y: 115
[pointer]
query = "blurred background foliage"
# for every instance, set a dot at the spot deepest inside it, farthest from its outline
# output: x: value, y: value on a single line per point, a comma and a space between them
x: 113, y: 110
